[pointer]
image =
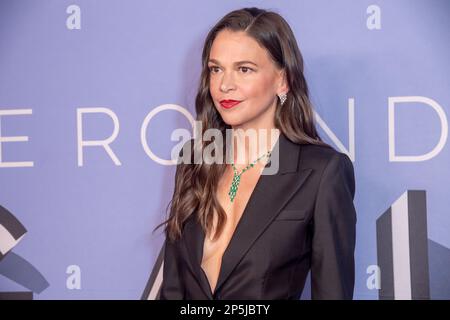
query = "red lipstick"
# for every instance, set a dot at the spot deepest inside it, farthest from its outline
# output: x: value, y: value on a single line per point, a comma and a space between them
x: 228, y: 104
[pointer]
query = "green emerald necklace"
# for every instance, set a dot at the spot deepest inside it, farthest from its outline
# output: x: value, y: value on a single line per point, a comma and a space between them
x: 237, y: 176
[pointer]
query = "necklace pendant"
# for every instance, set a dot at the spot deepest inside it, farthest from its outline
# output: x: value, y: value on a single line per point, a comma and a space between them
x: 234, y: 186
x: 237, y: 177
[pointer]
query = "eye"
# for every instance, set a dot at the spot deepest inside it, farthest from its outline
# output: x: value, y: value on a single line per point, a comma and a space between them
x: 246, y: 69
x: 212, y: 69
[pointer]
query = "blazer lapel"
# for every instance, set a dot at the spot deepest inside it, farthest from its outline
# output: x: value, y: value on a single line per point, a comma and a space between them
x: 269, y: 196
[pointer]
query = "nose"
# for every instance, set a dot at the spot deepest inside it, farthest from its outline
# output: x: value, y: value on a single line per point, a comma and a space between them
x: 227, y: 83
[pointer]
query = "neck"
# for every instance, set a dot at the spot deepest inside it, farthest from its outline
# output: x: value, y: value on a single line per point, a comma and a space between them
x: 254, y: 138
x: 251, y: 144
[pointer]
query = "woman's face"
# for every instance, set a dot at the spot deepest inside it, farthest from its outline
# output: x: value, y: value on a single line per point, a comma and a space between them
x: 240, y: 69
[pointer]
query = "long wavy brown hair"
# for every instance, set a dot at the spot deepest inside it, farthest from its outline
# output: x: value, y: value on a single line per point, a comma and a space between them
x: 196, y: 184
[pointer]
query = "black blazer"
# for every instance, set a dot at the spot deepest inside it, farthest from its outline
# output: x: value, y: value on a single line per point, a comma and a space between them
x: 300, y: 219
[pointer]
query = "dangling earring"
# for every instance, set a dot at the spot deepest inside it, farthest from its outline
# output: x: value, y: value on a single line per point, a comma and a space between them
x: 282, y: 97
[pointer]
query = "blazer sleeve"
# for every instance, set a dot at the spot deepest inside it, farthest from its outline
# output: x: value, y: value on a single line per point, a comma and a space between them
x: 172, y: 286
x: 334, y: 232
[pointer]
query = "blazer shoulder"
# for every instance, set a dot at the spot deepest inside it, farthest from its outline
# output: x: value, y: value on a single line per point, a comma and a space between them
x: 319, y: 156
x: 330, y: 163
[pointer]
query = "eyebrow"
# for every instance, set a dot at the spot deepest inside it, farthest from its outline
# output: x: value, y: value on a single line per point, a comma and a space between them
x: 236, y: 63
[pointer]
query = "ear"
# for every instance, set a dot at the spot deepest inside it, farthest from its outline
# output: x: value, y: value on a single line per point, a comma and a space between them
x: 283, y: 86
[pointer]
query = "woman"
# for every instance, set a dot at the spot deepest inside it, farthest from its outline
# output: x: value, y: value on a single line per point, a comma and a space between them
x: 234, y: 232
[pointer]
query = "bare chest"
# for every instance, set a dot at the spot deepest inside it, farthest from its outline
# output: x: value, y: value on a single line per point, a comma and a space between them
x: 213, y: 250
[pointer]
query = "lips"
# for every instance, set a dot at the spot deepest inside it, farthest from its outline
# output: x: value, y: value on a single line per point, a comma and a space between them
x: 228, y: 104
